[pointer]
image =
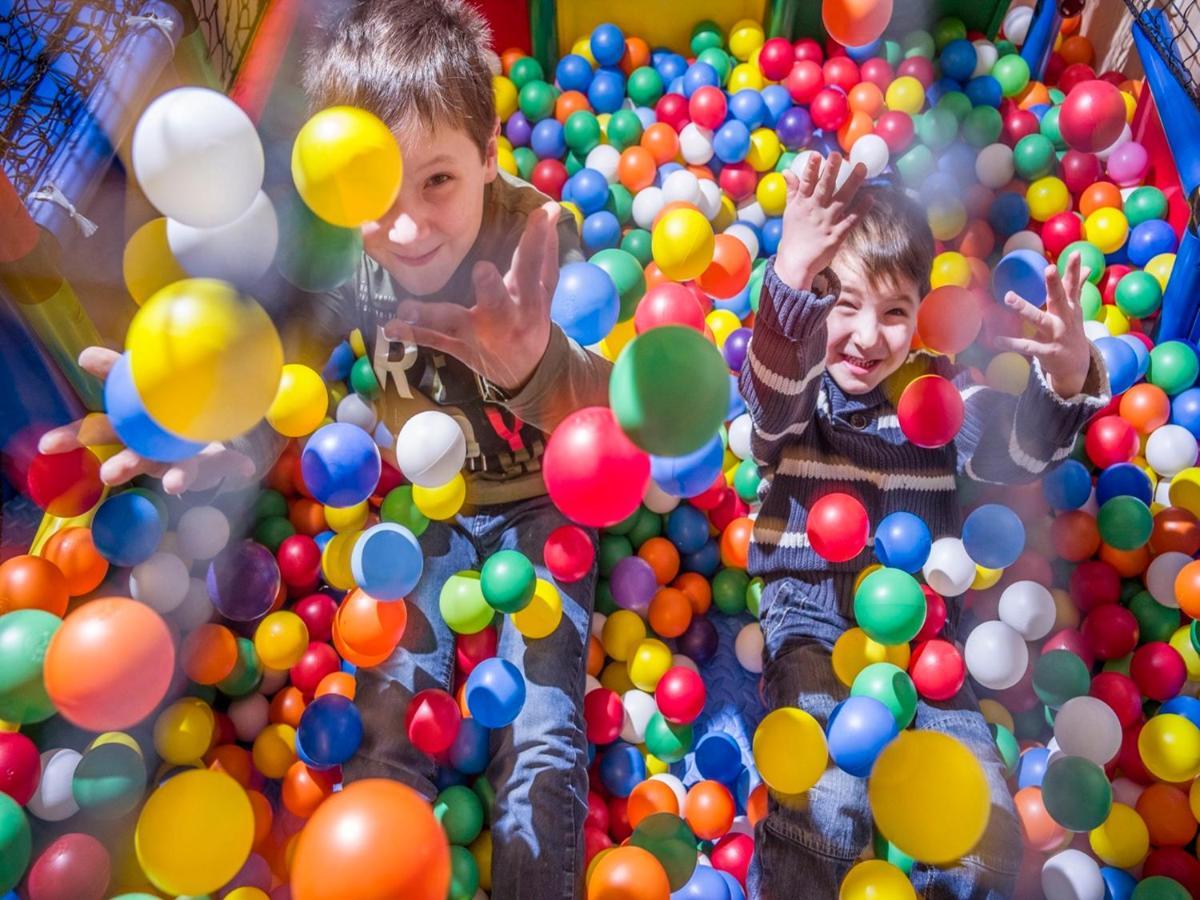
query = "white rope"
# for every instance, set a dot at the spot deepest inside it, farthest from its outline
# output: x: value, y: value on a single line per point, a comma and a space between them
x: 162, y: 23
x: 51, y: 194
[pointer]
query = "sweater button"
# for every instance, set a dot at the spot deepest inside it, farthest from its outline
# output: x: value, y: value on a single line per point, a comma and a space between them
x: 859, y: 421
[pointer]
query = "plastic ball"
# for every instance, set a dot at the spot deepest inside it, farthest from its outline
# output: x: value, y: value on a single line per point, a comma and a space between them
x: 837, y: 527
x: 432, y: 721
x: 892, y: 687
x: 902, y: 541
x: 1028, y: 608
x: 930, y: 411
x: 1076, y: 793
x: 243, y: 580
x: 858, y: 730
x: 495, y: 692
x: 387, y: 561
x: 680, y: 695
x: 1092, y: 116
x: 683, y: 244
x: 1088, y: 727
x: 628, y: 872
x: 789, y: 750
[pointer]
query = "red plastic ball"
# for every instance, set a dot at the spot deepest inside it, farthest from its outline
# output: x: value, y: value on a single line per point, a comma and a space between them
x: 1129, y: 759
x: 1074, y: 75
x: 317, y: 611
x: 919, y: 68
x: 937, y: 669
x: 594, y: 841
x: 804, y: 81
x: 669, y: 303
x: 1108, y: 281
x: 1111, y: 630
x: 1092, y: 116
x: 712, y: 496
x: 732, y: 854
x: 1110, y: 440
x: 1158, y: 669
x: 569, y: 553
x: 1121, y: 694
x: 318, y: 660
x: 707, y: 107
x: 729, y: 507
x: 618, y: 818
x: 299, y: 561
x: 20, y: 766
x: 809, y: 49
x: 935, y: 614
x: 1073, y: 641
x: 680, y: 695
x: 776, y: 58
x: 877, y: 71
x: 1019, y: 123
x: 603, y: 716
x: 841, y: 71
x: 897, y: 130
x: 672, y: 109
x: 432, y: 721
x: 549, y: 176
x: 74, y: 866
x: 597, y: 812
x: 930, y: 411
x: 837, y: 527
x: 830, y: 109
x: 1174, y: 863
x: 1094, y: 583
x: 594, y: 474
x: 65, y: 484
x: 1080, y: 170
x: 1061, y: 230
x: 738, y: 180
x: 472, y: 649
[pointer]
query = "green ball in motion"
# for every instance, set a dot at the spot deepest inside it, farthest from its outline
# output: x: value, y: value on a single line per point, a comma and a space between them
x: 669, y: 839
x: 889, y: 606
x: 669, y: 390
x: 24, y: 636
x: 1077, y: 793
x: 508, y: 581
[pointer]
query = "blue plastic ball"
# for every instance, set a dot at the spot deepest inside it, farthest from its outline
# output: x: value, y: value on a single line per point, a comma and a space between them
x: 993, y: 536
x: 731, y: 142
x: 607, y: 44
x: 958, y: 59
x: 687, y: 476
x: 1009, y: 213
x: 387, y: 561
x: 699, y: 643
x: 1118, y: 884
x: 1068, y: 486
x: 670, y: 66
x: 772, y: 233
x: 858, y: 730
x: 719, y: 757
x: 546, y: 139
x: 749, y: 107
x: 495, y: 692
x: 1139, y: 350
x: 1185, y: 410
x: 1150, y: 238
x: 585, y: 303
x: 863, y: 52
x: 1182, y: 705
x: 737, y: 405
x: 1121, y: 362
x: 330, y: 730
x: 607, y: 91
x: 705, y: 561
x: 705, y: 883
x: 127, y: 528
x: 341, y: 361
x: 600, y: 231
x: 902, y: 541
x: 984, y: 91
x: 698, y: 75
x: 777, y: 99
x: 1021, y: 272
x: 687, y: 528
x: 1031, y: 767
x: 134, y: 426
x: 622, y: 768
x: 732, y: 885
x: 471, y: 752
x: 1123, y: 480
x: 739, y: 303
x: 340, y: 464
x: 573, y: 73
x: 587, y: 189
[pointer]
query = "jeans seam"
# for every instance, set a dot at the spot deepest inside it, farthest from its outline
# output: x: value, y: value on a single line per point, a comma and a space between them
x: 799, y: 837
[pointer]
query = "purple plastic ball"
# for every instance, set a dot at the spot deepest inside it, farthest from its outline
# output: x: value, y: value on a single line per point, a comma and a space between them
x: 518, y: 129
x: 735, y: 348
x: 243, y: 580
x: 633, y: 584
x: 794, y: 128
x: 699, y: 641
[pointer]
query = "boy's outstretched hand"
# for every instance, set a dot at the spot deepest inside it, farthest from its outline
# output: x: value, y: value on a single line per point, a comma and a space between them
x: 504, y: 335
x: 816, y: 219
x: 1058, y: 340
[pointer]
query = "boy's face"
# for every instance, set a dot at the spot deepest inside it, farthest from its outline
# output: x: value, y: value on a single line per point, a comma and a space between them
x: 430, y: 228
x: 870, y: 328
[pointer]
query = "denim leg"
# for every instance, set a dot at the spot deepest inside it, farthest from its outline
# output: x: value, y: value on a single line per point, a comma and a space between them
x: 807, y: 843
x: 424, y: 659
x: 539, y: 763
x: 989, y: 872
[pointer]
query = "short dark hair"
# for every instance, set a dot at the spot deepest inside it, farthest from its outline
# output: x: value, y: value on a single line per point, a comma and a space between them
x: 891, y: 239
x: 406, y: 60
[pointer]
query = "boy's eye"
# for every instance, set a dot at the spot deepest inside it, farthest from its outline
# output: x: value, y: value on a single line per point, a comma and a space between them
x: 900, y: 311
x: 438, y: 180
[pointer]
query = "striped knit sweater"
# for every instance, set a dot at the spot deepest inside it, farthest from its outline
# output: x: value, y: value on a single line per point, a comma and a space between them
x: 810, y: 438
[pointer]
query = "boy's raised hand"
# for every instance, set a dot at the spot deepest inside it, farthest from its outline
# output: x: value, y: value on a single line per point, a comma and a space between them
x: 816, y: 219
x: 504, y: 335
x: 1058, y: 340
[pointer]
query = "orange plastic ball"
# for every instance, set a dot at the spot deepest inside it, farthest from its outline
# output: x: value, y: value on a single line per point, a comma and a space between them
x: 756, y: 805
x: 287, y: 706
x: 1128, y: 563
x: 1168, y: 817
x: 1101, y: 195
x: 569, y: 102
x: 307, y: 516
x: 698, y: 590
x: 371, y: 626
x: 735, y: 542
x: 1187, y: 589
x: 662, y: 556
x: 729, y: 270
x: 509, y: 57
x: 868, y: 98
x: 353, y: 655
x: 1175, y: 528
x: 628, y: 873
x: 280, y: 476
x: 1075, y: 535
x: 305, y: 789
x: 595, y: 660
x: 1035, y: 94
x: 31, y: 582
x: 709, y: 809
x: 1077, y: 49
x: 636, y: 168
x: 264, y: 816
x: 853, y: 23
x: 949, y: 319
x: 1145, y: 407
x: 209, y: 653
x: 76, y: 556
x: 977, y: 239
x: 340, y: 683
x: 233, y: 760
x: 648, y: 798
x: 670, y: 612
x: 858, y: 125
x: 1039, y: 831
x: 662, y: 141
x: 637, y: 54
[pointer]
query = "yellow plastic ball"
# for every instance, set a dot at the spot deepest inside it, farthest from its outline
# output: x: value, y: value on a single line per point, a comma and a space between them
x: 1160, y: 267
x: 506, y: 160
x: 929, y: 796
x: 722, y: 323
x: 1181, y: 640
x: 1169, y: 746
x: 281, y: 639
x: 745, y: 37
x: 745, y: 76
x: 335, y: 560
x: 1184, y: 490
x: 862, y: 576
x: 1194, y: 799
x: 875, y: 879
x: 542, y: 615
x: 247, y: 893
x: 274, y: 749
x: 654, y: 765
x: 950, y: 267
x: 853, y: 651
x: 614, y: 342
x: 623, y: 630
x: 184, y: 730
x: 1130, y: 106
x: 194, y: 832
x: 206, y: 361
x: 442, y: 502
x: 994, y: 713
x: 1123, y: 840
x: 1007, y: 372
x: 116, y: 737
x: 583, y: 47
x: 947, y: 219
x: 650, y: 660
x: 1114, y: 320
x: 148, y: 265
x: 575, y: 211
x: 505, y: 94
x: 905, y: 94
x: 985, y: 578
x: 301, y: 402
x: 346, y: 165
x: 1047, y: 197
x: 347, y: 518
x: 682, y: 244
x: 765, y: 150
x: 771, y: 193
x: 481, y: 850
x: 615, y: 677
x: 789, y: 750
x: 1107, y: 228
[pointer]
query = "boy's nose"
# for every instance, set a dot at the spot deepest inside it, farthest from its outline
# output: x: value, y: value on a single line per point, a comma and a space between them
x: 404, y: 229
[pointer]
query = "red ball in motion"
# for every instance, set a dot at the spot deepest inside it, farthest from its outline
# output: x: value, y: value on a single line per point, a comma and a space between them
x: 568, y: 553
x: 65, y: 484
x: 930, y: 411
x: 837, y: 527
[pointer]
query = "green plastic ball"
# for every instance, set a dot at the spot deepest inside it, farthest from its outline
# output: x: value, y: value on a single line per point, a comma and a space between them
x: 507, y: 580
x: 1049, y: 127
x: 706, y: 34
x: 624, y: 128
x: 626, y: 273
x: 24, y: 636
x: 1013, y: 74
x: 889, y: 852
x: 612, y: 549
x: 486, y: 793
x: 1124, y: 522
x: 1139, y: 294
x: 398, y: 507
x: 1007, y: 746
x: 915, y: 165
x: 754, y: 597
x: 525, y: 70
x: 1058, y: 676
x: 982, y: 126
x: 1033, y: 157
x: 625, y: 525
x: 269, y: 503
x: 746, y: 480
x: 1144, y: 204
x: 109, y: 780
x: 462, y: 604
x: 247, y: 671
x: 951, y: 28
x: 956, y: 102
x: 937, y: 128
x: 893, y: 53
x: 729, y: 590
x: 605, y: 604
x: 1173, y: 367
x: 460, y: 811
x: 891, y: 686
x: 362, y: 377
x: 1077, y: 794
x: 16, y: 842
x: 464, y: 874
x: 756, y: 281
x: 918, y: 43
x: 536, y: 100
x: 649, y: 524
x: 1155, y: 621
x: 1090, y: 258
x: 1005, y: 47
x: 313, y: 255
x: 526, y: 160
x: 1159, y: 887
x: 273, y: 531
x: 581, y: 132
x: 668, y: 839
x: 1090, y: 301
x: 719, y: 60
x: 637, y: 243
x: 644, y: 88
x: 668, y: 742
x: 620, y: 203
x: 669, y: 390
x: 575, y: 161
x: 889, y: 606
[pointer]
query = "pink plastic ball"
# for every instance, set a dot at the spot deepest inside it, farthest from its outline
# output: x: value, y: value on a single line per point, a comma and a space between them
x: 1128, y: 164
x: 594, y: 473
x: 680, y: 695
x: 568, y: 553
x: 837, y: 527
x: 432, y: 721
x: 603, y: 715
x: 20, y: 766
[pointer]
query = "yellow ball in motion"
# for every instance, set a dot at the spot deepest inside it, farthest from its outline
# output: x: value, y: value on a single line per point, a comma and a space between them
x: 682, y: 244
x: 300, y: 403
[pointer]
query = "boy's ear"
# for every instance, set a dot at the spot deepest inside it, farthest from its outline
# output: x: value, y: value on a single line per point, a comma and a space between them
x: 491, y: 167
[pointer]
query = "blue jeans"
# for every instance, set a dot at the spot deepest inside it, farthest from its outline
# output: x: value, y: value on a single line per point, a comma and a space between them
x: 806, y: 850
x: 539, y: 763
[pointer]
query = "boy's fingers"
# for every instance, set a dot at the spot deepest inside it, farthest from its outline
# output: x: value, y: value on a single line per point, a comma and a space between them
x: 449, y: 319
x: 853, y: 182
x: 1025, y: 309
x: 807, y: 182
x: 93, y: 430
x: 791, y: 183
x: 1056, y: 291
x: 527, y: 258
x: 549, y: 273
x: 180, y: 477
x: 98, y: 361
x: 828, y: 182
x: 1024, y: 346
x: 122, y: 466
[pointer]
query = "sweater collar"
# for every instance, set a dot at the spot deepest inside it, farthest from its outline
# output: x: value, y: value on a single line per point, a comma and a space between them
x: 841, y: 403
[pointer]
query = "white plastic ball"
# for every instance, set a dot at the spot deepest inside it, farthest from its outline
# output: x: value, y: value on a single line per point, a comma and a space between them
x: 741, y: 825
x: 431, y: 448
x: 160, y: 582
x: 647, y: 204
x: 383, y: 437
x: 949, y: 570
x: 590, y: 683
x: 748, y: 648
x: 986, y: 55
x: 1072, y: 875
x: 1028, y: 608
x: 800, y: 162
x: 196, y: 608
x: 1162, y: 490
x: 1093, y: 331
x: 872, y: 151
x: 1024, y: 240
x: 1088, y: 727
x: 598, y: 620
x: 197, y: 157
x: 740, y: 430
x: 710, y: 199
x: 639, y: 709
x: 1124, y: 137
x: 202, y: 532
x: 695, y: 144
x: 1161, y: 574
x: 681, y: 186
x: 676, y: 786
x: 996, y: 655
x: 751, y: 211
x: 994, y: 166
x: 250, y: 715
x: 54, y: 800
x: 746, y: 235
x: 1017, y: 22
x: 684, y: 662
x: 604, y: 159
x: 354, y: 409
x: 239, y: 252
x: 657, y: 500
x: 1170, y: 449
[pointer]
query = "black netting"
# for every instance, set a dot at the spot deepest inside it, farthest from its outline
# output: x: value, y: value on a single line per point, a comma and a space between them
x: 1175, y: 37
x: 227, y: 26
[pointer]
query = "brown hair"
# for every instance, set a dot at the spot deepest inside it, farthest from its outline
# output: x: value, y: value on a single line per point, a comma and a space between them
x: 402, y: 60
x: 891, y: 241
